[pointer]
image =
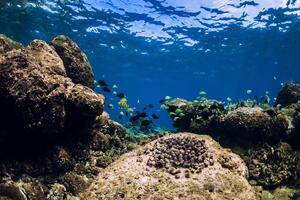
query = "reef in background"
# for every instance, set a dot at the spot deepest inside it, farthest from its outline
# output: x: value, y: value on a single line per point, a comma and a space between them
x: 54, y: 135
x: 265, y: 136
x: 56, y: 139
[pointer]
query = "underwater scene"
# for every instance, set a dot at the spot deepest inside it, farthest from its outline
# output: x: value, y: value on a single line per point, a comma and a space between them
x: 149, y: 99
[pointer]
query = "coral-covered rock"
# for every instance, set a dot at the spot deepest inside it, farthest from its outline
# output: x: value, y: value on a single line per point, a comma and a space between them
x: 271, y: 166
x: 252, y: 124
x: 195, y: 116
x: 10, y: 191
x: 131, y: 177
x: 7, y: 44
x: 38, y: 98
x: 289, y: 94
x: 75, y: 61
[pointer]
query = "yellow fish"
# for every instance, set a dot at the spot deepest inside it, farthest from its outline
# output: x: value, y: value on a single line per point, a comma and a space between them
x: 123, y: 103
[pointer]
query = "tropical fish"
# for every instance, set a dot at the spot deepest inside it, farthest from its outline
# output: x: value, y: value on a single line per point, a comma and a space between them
x: 249, y: 91
x: 130, y: 110
x: 150, y: 105
x: 102, y: 83
x: 202, y: 93
x: 133, y: 118
x: 120, y: 95
x: 123, y: 103
x: 146, y: 122
x: 110, y: 106
x: 115, y: 86
x: 162, y: 101
x: 114, y: 92
x: 105, y: 89
x: 228, y: 99
x: 168, y: 97
x: 154, y: 116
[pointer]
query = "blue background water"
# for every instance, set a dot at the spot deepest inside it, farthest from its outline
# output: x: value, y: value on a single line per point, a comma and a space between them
x: 154, y: 48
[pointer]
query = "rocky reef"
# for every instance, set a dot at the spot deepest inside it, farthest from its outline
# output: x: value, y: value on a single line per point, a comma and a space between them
x: 57, y: 142
x: 131, y: 177
x: 54, y: 135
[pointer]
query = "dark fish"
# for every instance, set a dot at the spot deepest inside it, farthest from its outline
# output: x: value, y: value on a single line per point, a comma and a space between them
x: 127, y: 114
x: 142, y: 114
x: 154, y: 116
x: 145, y: 108
x: 138, y: 113
x: 134, y: 118
x: 102, y: 83
x: 106, y: 89
x: 146, y: 122
x: 120, y: 95
x: 162, y: 101
x: 150, y: 106
x: 120, y: 116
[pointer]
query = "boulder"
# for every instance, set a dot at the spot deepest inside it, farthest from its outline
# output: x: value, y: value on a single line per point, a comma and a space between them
x: 37, y: 97
x: 156, y: 171
x: 252, y: 124
x: 7, y: 44
x: 288, y: 95
x: 75, y: 61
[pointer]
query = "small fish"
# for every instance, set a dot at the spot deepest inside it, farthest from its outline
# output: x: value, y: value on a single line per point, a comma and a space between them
x: 105, y: 89
x: 133, y: 118
x: 275, y: 78
x: 154, y: 116
x: 130, y: 110
x: 142, y: 114
x: 102, y: 83
x: 145, y: 108
x: 168, y: 97
x: 150, y: 105
x: 202, y: 93
x: 146, y: 122
x: 138, y: 101
x: 115, y: 86
x: 228, y: 99
x: 114, y: 92
x: 249, y: 91
x: 120, y: 95
x: 122, y: 113
x: 120, y: 116
x: 162, y: 101
x: 110, y: 106
x: 123, y: 103
x: 127, y: 114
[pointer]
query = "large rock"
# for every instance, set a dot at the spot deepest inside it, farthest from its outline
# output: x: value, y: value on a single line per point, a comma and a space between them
x: 159, y: 170
x: 271, y: 166
x: 253, y: 124
x: 7, y: 44
x: 75, y: 61
x: 288, y: 95
x: 38, y: 97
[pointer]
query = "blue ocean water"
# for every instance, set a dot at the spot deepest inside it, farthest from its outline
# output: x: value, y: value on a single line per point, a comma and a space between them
x: 154, y: 48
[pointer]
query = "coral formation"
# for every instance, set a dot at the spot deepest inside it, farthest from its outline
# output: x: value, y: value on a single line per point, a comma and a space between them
x: 130, y: 177
x: 75, y: 61
x: 39, y: 98
x: 288, y: 95
x: 194, y: 116
x: 253, y: 124
x: 270, y: 166
x: 7, y: 44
